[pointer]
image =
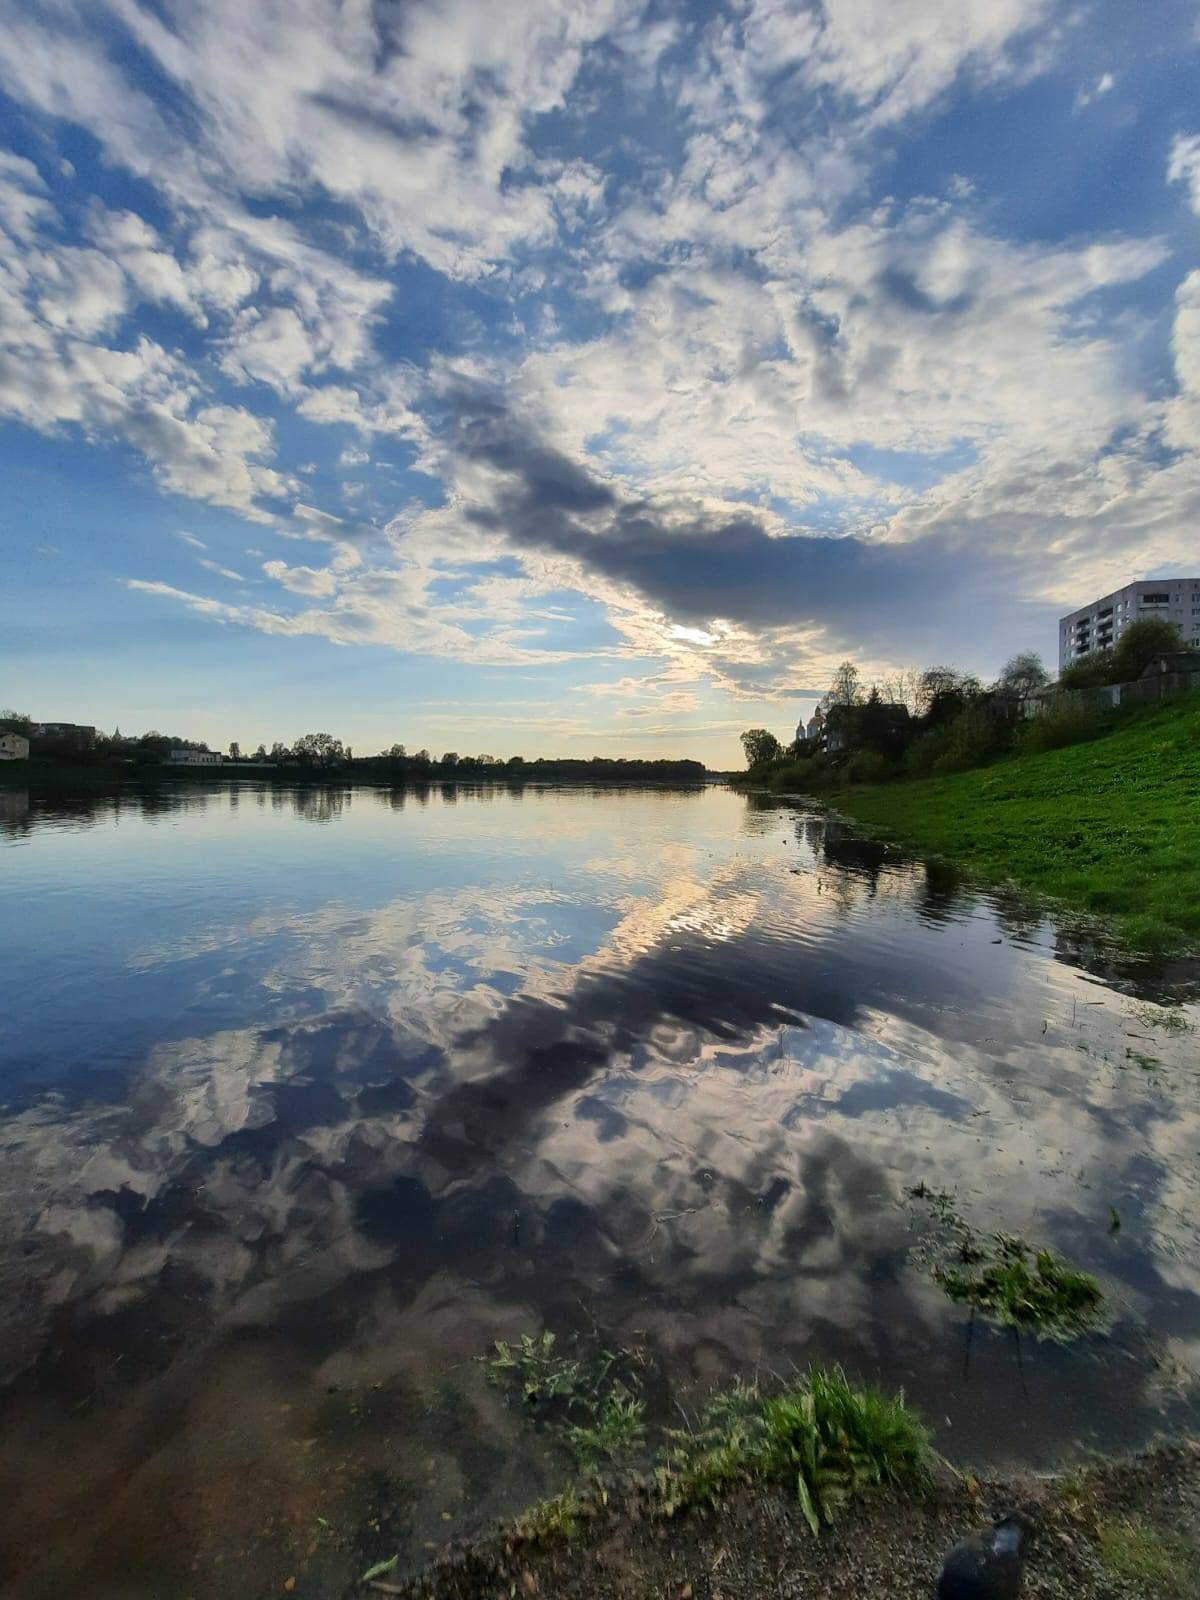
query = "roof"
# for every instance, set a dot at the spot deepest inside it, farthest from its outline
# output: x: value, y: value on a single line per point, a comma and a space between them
x: 1173, y: 661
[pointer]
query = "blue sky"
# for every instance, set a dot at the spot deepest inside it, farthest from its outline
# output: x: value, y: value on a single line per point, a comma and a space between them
x: 580, y: 377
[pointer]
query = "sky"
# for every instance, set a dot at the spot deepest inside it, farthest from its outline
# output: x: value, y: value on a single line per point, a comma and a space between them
x: 580, y: 377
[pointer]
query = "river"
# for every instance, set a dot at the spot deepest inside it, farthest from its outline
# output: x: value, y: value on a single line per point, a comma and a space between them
x: 309, y: 1095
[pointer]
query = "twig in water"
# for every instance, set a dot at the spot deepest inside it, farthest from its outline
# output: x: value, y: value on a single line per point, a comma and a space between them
x: 1020, y: 1362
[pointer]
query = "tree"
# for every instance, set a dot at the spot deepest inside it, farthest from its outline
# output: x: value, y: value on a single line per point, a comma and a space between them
x: 878, y: 725
x: 942, y: 692
x: 15, y: 722
x: 450, y: 759
x: 902, y: 688
x: 1022, y: 676
x: 397, y: 752
x: 1138, y: 646
x: 845, y: 690
x: 318, y: 749
x: 761, y: 747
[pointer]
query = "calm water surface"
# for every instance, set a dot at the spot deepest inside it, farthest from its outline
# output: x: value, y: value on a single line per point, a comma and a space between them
x: 308, y: 1096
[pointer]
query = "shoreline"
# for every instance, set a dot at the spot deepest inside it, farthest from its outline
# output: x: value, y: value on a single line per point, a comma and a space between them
x: 64, y: 781
x: 1126, y: 1529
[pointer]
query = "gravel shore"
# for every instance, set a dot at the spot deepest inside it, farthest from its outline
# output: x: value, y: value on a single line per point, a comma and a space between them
x: 1119, y: 1531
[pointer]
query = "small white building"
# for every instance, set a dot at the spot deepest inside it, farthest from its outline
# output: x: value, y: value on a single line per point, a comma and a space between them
x: 14, y: 747
x: 194, y: 758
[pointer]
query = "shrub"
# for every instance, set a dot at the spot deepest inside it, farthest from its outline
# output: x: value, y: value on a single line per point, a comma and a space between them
x: 868, y: 766
x: 1068, y: 722
x: 809, y: 772
x: 970, y: 740
x: 924, y: 751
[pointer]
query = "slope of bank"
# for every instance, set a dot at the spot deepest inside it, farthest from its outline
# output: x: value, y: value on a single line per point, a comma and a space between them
x: 1110, y: 828
x: 1124, y: 1531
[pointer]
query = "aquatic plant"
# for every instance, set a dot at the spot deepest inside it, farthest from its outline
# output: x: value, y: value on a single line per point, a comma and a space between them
x: 1011, y: 1282
x: 540, y: 1373
x: 1170, y: 1019
x: 1021, y: 1287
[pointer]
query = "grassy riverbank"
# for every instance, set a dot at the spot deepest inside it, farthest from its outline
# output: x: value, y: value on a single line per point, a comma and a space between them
x: 1111, y: 827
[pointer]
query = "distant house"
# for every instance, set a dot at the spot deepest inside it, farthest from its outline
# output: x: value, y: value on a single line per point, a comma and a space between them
x: 1174, y: 661
x: 194, y: 758
x: 880, y: 725
x: 76, y: 733
x: 13, y: 747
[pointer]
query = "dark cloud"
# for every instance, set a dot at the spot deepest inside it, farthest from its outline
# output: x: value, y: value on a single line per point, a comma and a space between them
x: 695, y: 567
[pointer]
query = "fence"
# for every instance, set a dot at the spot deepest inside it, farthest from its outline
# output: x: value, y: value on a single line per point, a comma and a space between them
x: 1158, y: 686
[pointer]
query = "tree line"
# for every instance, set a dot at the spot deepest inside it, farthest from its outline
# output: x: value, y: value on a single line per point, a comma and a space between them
x: 323, y: 753
x: 941, y: 720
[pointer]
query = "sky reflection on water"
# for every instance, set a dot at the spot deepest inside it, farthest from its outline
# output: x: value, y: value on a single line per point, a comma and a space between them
x: 308, y: 1092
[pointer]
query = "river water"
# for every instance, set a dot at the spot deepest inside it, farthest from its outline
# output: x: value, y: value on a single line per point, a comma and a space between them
x: 308, y: 1096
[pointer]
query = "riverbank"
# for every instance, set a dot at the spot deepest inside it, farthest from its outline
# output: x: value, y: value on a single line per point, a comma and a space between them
x: 1118, y: 1531
x: 1110, y: 828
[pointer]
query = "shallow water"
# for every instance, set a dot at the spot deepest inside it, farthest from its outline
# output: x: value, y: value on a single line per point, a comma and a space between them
x: 308, y: 1096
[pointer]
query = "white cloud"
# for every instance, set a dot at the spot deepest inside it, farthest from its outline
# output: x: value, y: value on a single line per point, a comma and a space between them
x: 413, y: 116
x: 301, y: 580
x: 219, y: 571
x: 1183, y: 166
x: 1103, y: 85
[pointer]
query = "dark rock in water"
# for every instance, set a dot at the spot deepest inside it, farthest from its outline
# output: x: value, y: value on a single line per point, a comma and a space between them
x: 987, y: 1564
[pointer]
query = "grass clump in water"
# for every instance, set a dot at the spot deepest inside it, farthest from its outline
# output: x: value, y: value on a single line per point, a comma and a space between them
x: 1012, y: 1283
x: 549, y: 1520
x: 617, y: 1428
x: 831, y: 1440
x: 1160, y: 1564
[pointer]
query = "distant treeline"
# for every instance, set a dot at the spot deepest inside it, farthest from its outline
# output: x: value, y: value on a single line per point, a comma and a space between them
x: 609, y: 769
x: 321, y: 754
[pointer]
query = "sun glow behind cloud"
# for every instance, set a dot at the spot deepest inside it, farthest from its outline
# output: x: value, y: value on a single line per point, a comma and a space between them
x: 687, y: 348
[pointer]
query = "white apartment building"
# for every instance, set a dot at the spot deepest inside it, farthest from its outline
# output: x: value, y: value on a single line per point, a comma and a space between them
x: 1100, y: 625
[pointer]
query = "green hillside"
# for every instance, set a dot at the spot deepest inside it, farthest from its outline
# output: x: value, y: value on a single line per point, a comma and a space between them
x: 1110, y: 827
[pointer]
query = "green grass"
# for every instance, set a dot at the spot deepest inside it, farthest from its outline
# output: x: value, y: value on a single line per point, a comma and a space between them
x: 1158, y: 1565
x: 828, y: 1439
x: 617, y: 1429
x: 551, y: 1520
x: 1111, y: 828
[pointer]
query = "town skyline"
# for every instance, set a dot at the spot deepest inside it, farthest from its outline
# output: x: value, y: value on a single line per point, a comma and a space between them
x: 589, y: 385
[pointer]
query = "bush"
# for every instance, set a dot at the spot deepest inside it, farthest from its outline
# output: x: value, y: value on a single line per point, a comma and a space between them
x: 970, y: 740
x: 868, y: 766
x: 809, y: 772
x: 1066, y: 723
